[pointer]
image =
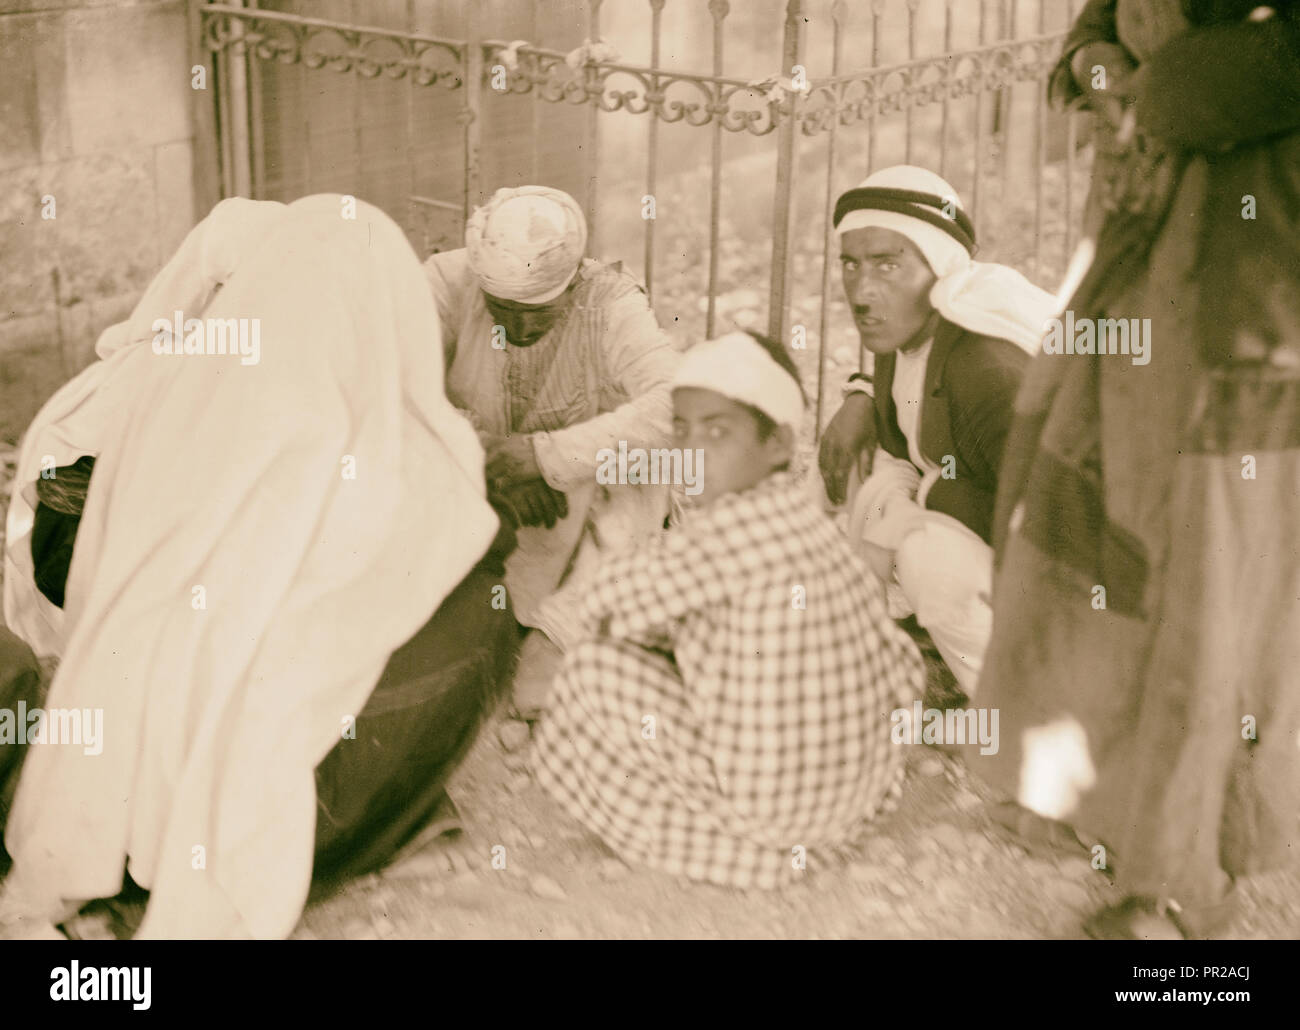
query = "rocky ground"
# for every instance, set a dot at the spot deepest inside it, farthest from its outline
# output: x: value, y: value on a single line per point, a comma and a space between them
x: 935, y: 868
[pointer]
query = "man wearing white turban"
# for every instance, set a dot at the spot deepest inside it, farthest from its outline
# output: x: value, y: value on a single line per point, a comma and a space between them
x: 554, y: 357
x: 950, y: 338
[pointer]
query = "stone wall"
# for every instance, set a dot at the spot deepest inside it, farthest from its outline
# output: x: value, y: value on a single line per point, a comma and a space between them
x: 95, y: 112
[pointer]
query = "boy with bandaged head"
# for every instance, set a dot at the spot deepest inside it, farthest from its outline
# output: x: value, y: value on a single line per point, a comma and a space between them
x: 727, y: 711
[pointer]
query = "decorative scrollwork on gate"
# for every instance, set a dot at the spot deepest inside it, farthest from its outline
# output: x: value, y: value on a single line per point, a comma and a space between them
x: 369, y: 53
x: 884, y: 91
x: 669, y: 96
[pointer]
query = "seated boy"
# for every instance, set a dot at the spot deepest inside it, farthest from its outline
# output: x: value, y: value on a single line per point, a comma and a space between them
x: 728, y: 709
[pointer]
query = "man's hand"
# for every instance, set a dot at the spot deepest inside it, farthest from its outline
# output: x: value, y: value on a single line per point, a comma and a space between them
x: 510, y: 459
x: 851, y: 429
x: 1102, y: 71
x: 533, y: 503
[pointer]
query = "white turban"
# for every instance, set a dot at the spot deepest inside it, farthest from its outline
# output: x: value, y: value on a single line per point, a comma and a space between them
x: 738, y: 367
x: 991, y: 299
x: 526, y: 243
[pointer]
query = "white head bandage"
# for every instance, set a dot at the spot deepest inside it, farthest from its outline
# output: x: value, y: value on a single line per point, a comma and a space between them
x: 526, y: 243
x: 737, y: 367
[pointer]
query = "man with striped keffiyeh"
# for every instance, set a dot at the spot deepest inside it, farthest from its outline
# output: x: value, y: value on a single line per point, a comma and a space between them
x: 950, y: 338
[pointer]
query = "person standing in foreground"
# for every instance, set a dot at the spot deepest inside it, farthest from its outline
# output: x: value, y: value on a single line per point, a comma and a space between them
x: 553, y: 357
x: 1108, y: 40
x: 951, y: 338
x: 727, y: 711
x: 1147, y: 631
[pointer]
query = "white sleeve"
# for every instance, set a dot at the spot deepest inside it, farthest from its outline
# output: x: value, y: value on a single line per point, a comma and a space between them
x: 449, y: 279
x: 641, y: 360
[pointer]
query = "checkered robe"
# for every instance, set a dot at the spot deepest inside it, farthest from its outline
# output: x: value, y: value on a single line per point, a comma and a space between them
x: 734, y: 716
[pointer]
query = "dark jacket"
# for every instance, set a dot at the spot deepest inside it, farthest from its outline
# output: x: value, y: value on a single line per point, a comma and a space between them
x: 967, y: 404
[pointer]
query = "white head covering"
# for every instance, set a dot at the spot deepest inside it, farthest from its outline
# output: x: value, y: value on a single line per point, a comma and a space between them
x: 526, y: 243
x: 737, y: 366
x: 213, y: 721
x: 986, y: 298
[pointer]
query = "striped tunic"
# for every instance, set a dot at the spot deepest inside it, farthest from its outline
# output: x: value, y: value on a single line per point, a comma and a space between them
x: 601, y: 375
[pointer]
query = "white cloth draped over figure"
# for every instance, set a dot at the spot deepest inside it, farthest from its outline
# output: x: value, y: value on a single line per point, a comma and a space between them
x: 229, y: 484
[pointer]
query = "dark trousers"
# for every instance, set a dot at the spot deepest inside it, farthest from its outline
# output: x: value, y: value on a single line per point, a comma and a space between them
x: 20, y: 680
x: 374, y: 793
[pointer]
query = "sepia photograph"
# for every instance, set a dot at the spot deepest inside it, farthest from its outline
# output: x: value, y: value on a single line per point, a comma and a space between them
x: 651, y: 470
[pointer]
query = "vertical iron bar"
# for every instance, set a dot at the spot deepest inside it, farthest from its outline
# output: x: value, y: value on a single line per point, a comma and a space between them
x: 203, y: 107
x: 977, y: 200
x: 1040, y: 157
x: 950, y: 69
x: 470, y: 112
x: 593, y: 136
x: 354, y: 95
x: 1006, y: 108
x: 256, y: 124
x: 778, y: 316
x: 409, y: 104
x: 839, y: 13
x: 652, y: 143
x: 221, y: 64
x: 877, y: 9
x: 534, y: 97
x: 304, y: 99
x: 719, y: 10
x: 911, y: 56
x: 237, y: 65
x: 1071, y: 142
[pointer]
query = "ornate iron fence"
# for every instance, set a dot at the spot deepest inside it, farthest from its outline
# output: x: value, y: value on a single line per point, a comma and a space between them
x: 870, y: 100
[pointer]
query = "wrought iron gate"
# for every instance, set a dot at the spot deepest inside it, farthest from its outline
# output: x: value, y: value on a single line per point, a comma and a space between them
x: 993, y: 127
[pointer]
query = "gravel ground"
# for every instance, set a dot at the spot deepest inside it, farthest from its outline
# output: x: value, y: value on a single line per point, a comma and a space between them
x: 935, y: 868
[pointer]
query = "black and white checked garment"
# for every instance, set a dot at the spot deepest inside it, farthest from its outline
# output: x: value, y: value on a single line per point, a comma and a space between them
x: 768, y: 737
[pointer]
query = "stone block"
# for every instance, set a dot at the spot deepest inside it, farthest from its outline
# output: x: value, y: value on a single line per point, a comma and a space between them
x: 105, y: 241
x: 128, y: 77
x: 22, y: 333
x: 105, y: 238
x: 20, y: 121
x: 39, y: 353
x: 27, y: 379
x: 25, y: 284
